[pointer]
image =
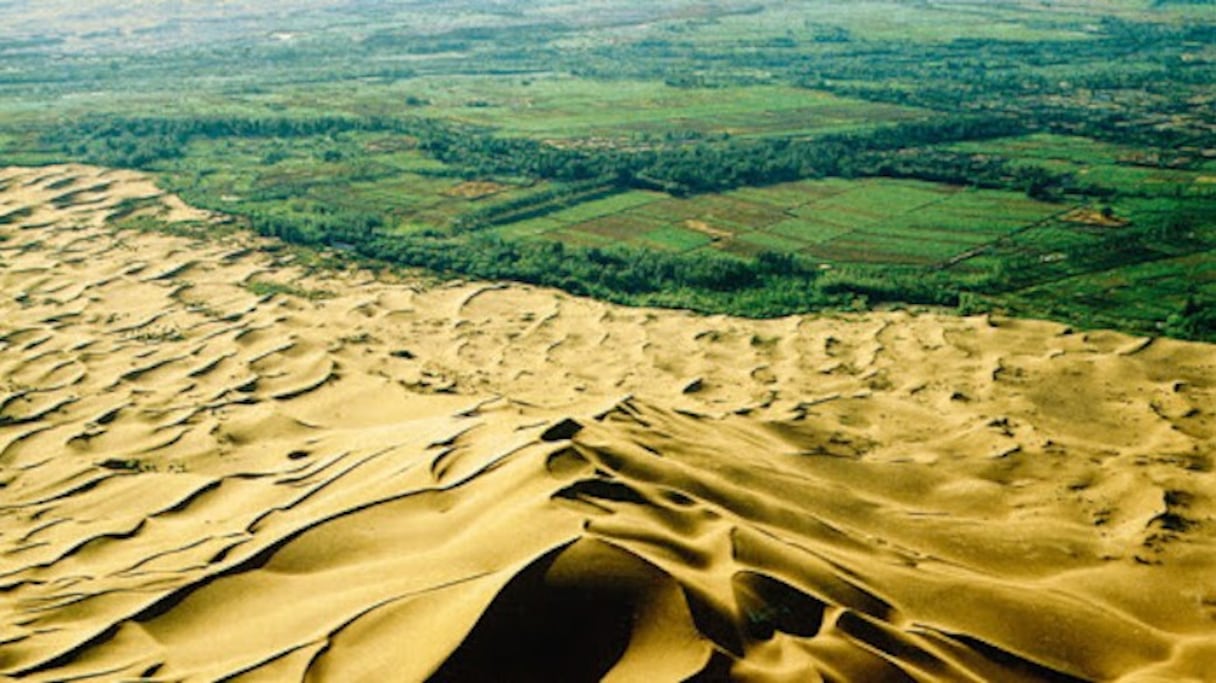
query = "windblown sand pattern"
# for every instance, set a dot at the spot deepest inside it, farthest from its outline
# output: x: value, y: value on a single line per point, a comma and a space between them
x: 410, y: 481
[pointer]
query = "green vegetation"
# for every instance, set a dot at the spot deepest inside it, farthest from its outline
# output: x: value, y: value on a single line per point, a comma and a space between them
x: 757, y: 158
x: 261, y: 288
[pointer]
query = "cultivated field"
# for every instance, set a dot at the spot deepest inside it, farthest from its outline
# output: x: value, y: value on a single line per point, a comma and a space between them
x: 835, y: 221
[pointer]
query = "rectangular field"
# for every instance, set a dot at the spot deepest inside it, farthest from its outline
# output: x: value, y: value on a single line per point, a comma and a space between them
x: 1125, y: 168
x: 873, y: 220
x: 551, y: 106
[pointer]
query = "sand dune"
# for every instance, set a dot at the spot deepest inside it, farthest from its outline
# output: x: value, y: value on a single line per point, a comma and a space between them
x: 401, y: 480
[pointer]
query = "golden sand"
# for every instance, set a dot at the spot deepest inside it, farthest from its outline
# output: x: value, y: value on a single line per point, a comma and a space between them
x: 496, y: 482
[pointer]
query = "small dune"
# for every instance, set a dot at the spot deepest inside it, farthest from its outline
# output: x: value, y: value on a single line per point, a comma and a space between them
x: 471, y: 481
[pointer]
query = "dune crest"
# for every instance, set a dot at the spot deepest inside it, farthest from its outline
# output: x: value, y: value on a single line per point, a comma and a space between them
x: 330, y: 476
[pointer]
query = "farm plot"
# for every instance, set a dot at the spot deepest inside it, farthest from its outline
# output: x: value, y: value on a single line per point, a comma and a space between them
x: 870, y: 220
x: 898, y: 221
x: 649, y: 220
x: 321, y: 176
x: 1128, y: 169
x: 1142, y: 294
x: 563, y: 107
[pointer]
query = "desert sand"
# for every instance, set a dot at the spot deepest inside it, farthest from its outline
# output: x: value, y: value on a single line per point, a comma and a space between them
x: 402, y: 479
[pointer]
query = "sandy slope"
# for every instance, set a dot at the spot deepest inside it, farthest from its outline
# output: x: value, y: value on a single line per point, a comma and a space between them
x: 483, y: 482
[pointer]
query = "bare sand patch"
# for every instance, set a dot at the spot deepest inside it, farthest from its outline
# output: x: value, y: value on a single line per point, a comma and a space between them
x: 1094, y: 217
x: 715, y: 234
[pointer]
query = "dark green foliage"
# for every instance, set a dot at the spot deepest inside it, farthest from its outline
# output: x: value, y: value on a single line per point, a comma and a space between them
x: 1196, y: 319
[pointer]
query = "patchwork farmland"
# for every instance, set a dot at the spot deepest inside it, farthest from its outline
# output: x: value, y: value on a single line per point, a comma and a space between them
x: 874, y: 220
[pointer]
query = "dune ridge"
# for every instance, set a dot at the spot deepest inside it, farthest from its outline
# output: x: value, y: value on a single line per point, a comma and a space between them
x: 396, y: 479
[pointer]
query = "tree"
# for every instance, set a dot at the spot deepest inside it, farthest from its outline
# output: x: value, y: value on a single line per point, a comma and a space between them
x: 1194, y: 320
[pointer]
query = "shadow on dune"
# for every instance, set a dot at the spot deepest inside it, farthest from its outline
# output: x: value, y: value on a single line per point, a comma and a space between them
x: 572, y: 615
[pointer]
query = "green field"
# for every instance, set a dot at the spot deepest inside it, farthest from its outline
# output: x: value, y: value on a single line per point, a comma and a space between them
x: 556, y: 106
x: 833, y: 221
x: 1125, y: 168
x: 917, y: 22
x: 404, y: 187
x: 1124, y: 289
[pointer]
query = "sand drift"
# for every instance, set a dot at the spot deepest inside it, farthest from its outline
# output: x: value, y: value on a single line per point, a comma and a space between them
x: 217, y: 465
